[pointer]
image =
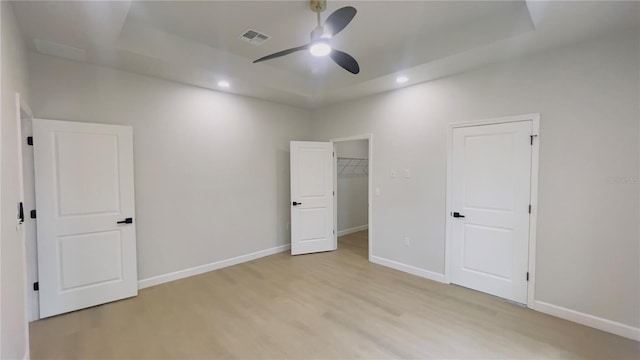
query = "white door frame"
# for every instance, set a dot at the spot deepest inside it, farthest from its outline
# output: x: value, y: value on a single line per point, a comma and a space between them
x: 22, y: 108
x: 368, y: 137
x: 533, y: 218
x: 30, y: 236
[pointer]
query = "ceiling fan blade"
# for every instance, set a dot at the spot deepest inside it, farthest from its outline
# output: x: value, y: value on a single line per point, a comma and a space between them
x: 345, y: 60
x: 339, y: 19
x: 281, y: 53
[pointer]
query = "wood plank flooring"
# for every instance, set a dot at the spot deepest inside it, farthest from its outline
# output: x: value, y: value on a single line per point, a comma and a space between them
x: 330, y: 305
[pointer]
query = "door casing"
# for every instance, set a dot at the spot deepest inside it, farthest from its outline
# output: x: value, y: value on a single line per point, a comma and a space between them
x: 535, y: 123
x: 23, y: 111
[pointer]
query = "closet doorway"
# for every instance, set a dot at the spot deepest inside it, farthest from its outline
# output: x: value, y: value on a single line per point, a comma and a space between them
x: 353, y: 194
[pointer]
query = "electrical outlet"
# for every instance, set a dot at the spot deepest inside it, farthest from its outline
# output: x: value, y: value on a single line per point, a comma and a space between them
x: 393, y: 173
x: 407, y: 173
x: 407, y: 241
x: 377, y: 191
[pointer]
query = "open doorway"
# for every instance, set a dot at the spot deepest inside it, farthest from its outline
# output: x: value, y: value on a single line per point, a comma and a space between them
x: 352, y: 184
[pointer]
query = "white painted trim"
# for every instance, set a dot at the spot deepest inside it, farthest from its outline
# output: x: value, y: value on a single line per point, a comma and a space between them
x: 352, y: 230
x: 533, y: 200
x: 197, y: 270
x: 351, y: 138
x: 448, y: 200
x: 21, y: 228
x: 1, y: 97
x: 609, y: 326
x: 334, y: 170
x: 370, y: 214
x: 409, y: 269
x: 500, y: 120
x: 33, y: 302
x: 371, y: 170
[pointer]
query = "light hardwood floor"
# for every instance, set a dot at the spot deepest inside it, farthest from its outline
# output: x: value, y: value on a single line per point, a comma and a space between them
x: 328, y: 305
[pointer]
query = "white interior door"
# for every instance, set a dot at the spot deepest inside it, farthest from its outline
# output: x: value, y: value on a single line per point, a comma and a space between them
x: 490, y: 208
x: 312, y: 218
x: 84, y: 196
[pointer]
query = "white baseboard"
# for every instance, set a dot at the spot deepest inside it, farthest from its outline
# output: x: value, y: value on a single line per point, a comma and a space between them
x: 599, y: 323
x: 408, y: 269
x: 353, y: 230
x: 181, y: 274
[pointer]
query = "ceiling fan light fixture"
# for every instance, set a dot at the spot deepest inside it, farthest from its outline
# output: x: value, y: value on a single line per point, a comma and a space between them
x: 223, y: 84
x: 320, y: 48
x: 402, y: 79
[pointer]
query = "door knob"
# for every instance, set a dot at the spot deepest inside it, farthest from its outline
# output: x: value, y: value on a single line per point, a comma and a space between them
x: 296, y: 203
x: 126, y: 221
x: 457, y: 215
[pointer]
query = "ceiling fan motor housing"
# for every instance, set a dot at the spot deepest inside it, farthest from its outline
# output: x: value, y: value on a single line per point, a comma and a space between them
x: 319, y: 34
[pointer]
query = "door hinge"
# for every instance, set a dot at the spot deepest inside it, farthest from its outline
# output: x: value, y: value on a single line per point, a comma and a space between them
x: 333, y: 154
x: 36, y: 286
x: 334, y: 231
x: 527, y: 276
x: 334, y: 193
x: 529, y: 208
x: 30, y: 140
x: 531, y: 138
x: 33, y: 214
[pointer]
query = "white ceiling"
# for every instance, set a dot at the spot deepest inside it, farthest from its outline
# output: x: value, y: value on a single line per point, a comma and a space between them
x: 198, y: 42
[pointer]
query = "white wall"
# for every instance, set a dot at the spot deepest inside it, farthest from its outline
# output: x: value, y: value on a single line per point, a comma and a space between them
x: 13, y: 325
x: 587, y: 94
x: 352, y: 187
x: 211, y: 169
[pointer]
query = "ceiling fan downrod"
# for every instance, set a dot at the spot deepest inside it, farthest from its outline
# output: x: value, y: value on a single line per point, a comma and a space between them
x: 317, y: 6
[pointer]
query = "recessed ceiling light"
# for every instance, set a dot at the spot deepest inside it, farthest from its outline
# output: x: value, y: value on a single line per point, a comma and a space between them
x: 223, y: 84
x: 402, y: 79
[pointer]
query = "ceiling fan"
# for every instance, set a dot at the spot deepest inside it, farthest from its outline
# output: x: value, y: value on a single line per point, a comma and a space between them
x: 320, y: 44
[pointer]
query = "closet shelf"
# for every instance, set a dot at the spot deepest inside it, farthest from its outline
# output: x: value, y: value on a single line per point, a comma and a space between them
x: 354, y: 165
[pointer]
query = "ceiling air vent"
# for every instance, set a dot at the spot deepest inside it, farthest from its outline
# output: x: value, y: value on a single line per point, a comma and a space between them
x: 254, y: 37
